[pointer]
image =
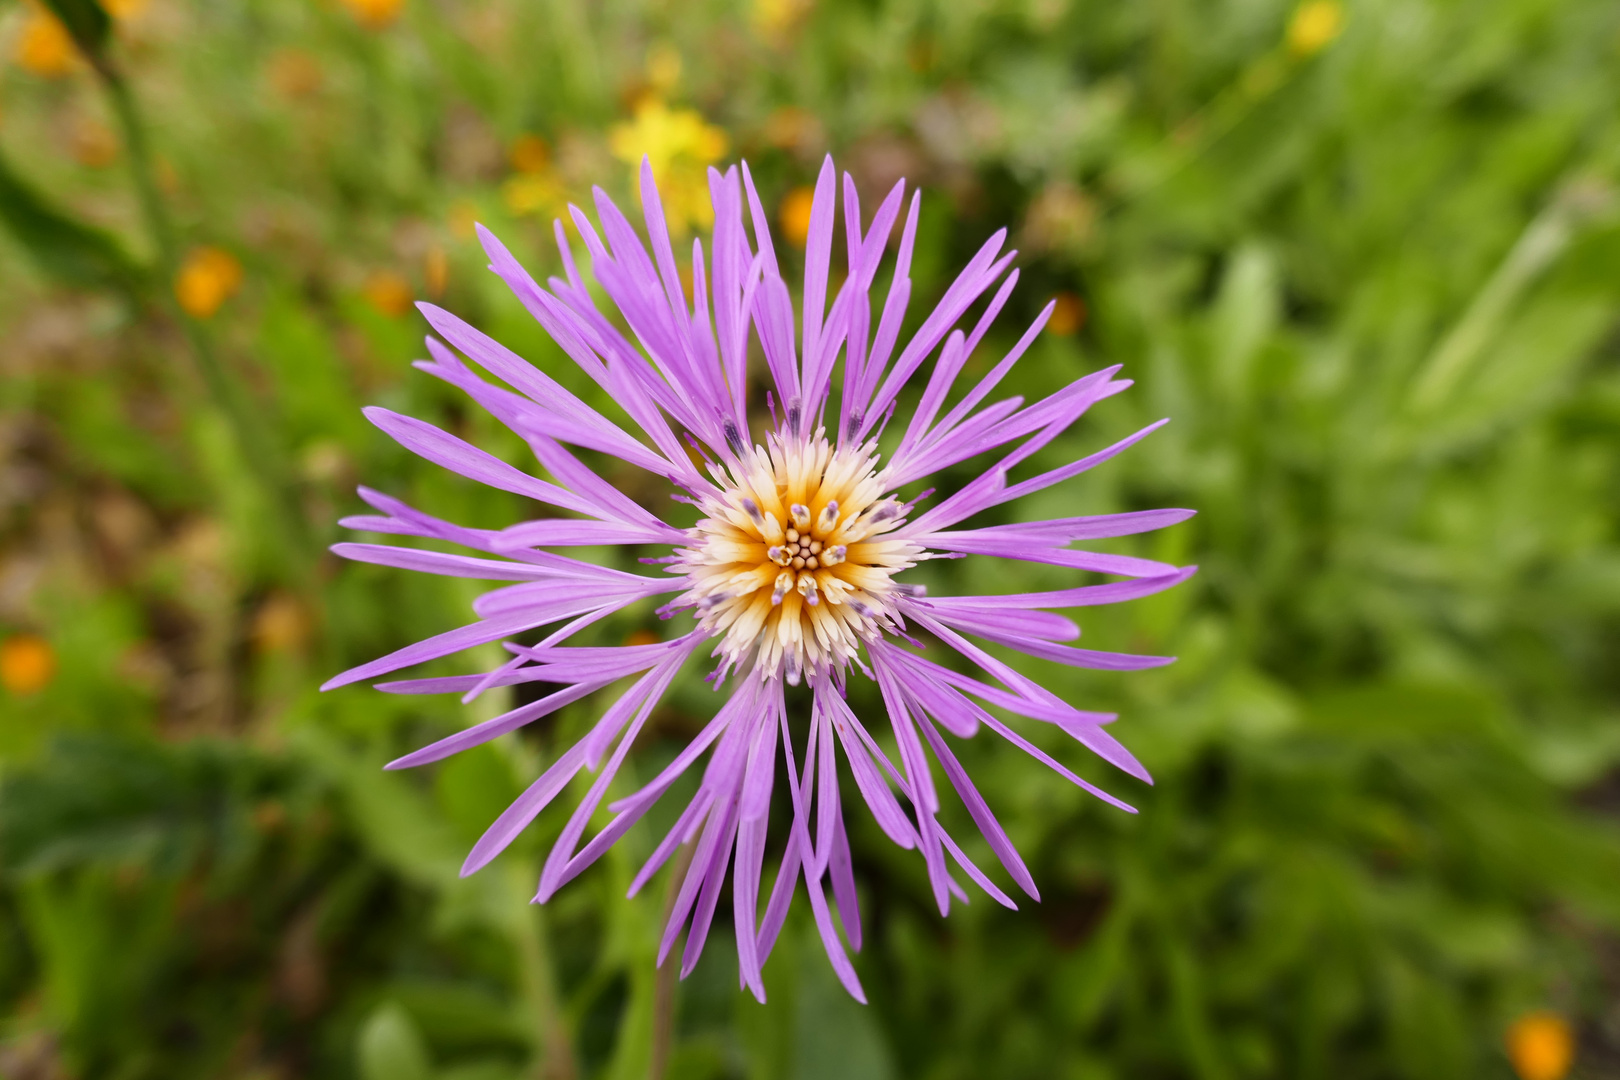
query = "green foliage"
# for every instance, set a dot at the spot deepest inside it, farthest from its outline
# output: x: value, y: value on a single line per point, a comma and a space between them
x: 1376, y: 286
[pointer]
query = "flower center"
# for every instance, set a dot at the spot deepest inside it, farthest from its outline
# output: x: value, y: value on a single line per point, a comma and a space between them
x: 790, y: 563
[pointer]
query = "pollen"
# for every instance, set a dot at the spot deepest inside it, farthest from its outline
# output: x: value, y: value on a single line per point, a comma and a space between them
x: 792, y: 564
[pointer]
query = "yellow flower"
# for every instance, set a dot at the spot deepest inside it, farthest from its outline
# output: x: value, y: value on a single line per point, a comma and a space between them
x: 1314, y: 24
x: 794, y: 215
x: 680, y: 144
x: 1541, y: 1046
x: 374, y: 14
x: 27, y: 663
x: 535, y: 193
x: 774, y: 19
x: 44, y: 47
x: 388, y: 292
x: 207, y: 278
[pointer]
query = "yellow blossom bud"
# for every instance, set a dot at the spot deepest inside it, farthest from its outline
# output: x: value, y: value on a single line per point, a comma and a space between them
x: 388, y: 292
x: 44, y: 46
x: 1313, y: 26
x: 1541, y: 1046
x: 27, y: 663
x: 1068, y: 315
x: 794, y: 215
x: 529, y: 154
x: 374, y: 14
x: 207, y: 278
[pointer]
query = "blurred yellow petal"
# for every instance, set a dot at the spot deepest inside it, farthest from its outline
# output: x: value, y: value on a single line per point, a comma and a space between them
x: 794, y: 215
x: 27, y: 663
x: 388, y: 292
x: 44, y: 46
x: 1541, y: 1046
x: 680, y: 145
x: 1313, y: 26
x: 207, y: 278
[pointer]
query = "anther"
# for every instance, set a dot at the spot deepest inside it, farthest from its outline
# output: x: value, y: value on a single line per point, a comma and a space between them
x: 807, y: 589
x: 751, y: 508
x: 777, y: 554
x: 794, y: 409
x: 829, y: 516
x: 801, y: 516
x: 733, y: 436
x: 784, y: 582
x: 834, y: 555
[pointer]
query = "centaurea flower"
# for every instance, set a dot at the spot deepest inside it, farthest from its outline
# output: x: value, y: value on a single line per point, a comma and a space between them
x: 793, y: 573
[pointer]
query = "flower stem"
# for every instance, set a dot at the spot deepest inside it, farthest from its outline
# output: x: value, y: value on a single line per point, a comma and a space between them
x: 258, y: 446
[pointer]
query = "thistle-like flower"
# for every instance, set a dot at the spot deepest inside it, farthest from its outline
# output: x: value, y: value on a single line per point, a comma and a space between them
x: 794, y: 569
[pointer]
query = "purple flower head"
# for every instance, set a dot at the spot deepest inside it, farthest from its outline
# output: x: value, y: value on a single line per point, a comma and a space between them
x: 794, y: 570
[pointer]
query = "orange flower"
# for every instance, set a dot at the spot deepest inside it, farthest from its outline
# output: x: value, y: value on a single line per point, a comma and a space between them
x: 1541, y: 1046
x: 374, y: 14
x: 529, y: 154
x: 1068, y: 315
x: 388, y: 292
x: 294, y: 73
x: 794, y: 215
x: 27, y: 663
x: 436, y: 270
x: 207, y: 278
x: 282, y: 624
x: 45, y: 47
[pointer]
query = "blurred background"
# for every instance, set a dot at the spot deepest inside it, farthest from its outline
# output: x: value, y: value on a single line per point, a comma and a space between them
x: 1366, y: 256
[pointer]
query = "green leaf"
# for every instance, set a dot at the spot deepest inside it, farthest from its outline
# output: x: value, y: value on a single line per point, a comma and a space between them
x: 391, y: 1048
x: 65, y: 248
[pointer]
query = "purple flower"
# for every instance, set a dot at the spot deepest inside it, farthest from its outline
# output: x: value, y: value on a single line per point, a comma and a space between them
x: 794, y: 569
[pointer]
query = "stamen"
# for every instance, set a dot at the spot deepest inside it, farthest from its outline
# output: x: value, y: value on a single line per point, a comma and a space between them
x: 753, y: 542
x: 734, y: 437
x: 784, y: 582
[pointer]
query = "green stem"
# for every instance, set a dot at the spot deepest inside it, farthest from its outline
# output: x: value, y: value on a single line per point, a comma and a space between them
x: 556, y: 1058
x: 255, y: 439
